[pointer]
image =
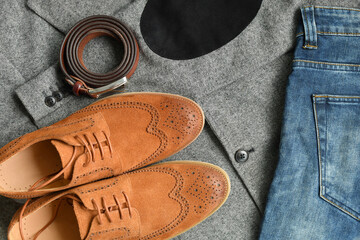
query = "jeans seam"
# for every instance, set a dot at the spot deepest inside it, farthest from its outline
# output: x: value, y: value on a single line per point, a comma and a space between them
x: 331, y: 8
x: 330, y: 33
x: 332, y: 201
x: 309, y: 45
x: 328, y: 63
x: 318, y: 143
x: 328, y: 96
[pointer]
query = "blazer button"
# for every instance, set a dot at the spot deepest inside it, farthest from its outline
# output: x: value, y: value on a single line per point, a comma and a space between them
x: 58, y: 96
x: 241, y: 156
x: 50, y: 101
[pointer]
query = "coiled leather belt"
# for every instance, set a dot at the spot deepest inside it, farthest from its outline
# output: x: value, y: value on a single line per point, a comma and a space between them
x: 77, y: 75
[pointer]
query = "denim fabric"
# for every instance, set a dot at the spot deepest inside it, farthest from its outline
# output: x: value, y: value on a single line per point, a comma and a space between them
x: 315, y: 193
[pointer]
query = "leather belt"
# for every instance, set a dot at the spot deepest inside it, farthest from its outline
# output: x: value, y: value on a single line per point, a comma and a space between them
x: 77, y: 75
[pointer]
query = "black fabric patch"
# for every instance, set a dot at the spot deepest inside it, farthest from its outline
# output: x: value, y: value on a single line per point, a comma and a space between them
x: 186, y: 29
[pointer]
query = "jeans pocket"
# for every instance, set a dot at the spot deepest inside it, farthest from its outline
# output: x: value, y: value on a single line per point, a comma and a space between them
x: 337, y: 121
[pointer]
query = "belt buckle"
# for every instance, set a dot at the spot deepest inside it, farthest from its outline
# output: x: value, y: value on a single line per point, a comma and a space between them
x: 96, y: 92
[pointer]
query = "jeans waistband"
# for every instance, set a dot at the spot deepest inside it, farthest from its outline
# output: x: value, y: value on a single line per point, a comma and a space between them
x: 319, y: 20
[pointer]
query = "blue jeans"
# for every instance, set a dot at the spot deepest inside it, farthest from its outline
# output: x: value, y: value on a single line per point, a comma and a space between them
x: 315, y: 193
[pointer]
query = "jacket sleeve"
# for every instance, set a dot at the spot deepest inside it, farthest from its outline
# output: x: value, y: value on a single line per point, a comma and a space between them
x: 30, y: 44
x: 13, y: 117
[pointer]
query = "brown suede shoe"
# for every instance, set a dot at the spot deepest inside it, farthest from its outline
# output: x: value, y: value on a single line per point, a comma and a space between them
x: 157, y: 202
x: 111, y: 136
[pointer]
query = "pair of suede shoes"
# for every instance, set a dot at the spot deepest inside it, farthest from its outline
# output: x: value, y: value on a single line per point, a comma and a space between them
x: 59, y: 169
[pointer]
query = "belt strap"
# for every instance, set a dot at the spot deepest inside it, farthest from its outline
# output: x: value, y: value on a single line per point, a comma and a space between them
x: 77, y: 75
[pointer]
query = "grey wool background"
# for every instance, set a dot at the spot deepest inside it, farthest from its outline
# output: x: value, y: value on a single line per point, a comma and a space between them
x: 240, y: 86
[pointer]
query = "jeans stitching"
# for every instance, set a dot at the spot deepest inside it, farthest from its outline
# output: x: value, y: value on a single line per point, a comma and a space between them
x: 333, y: 8
x: 329, y: 96
x: 327, y: 63
x: 338, y: 33
x: 330, y: 33
x: 308, y: 45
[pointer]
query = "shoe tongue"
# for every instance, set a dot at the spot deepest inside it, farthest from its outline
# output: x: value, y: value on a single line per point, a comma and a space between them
x: 65, y: 152
x: 84, y: 218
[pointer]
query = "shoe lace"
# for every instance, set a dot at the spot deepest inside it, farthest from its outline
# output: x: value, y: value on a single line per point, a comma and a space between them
x: 100, y: 211
x: 90, y: 151
x: 51, y: 220
x: 107, y: 209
